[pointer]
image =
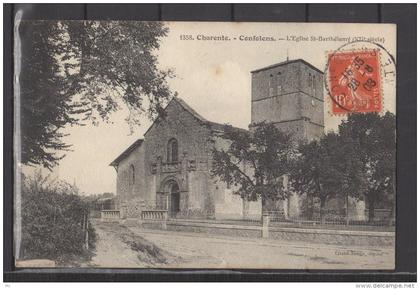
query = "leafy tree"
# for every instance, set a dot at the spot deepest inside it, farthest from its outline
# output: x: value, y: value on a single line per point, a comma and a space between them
x: 116, y: 60
x: 255, y: 162
x: 373, y: 145
x: 315, y: 172
x: 73, y: 71
x: 45, y: 106
x: 350, y: 169
x: 54, y: 221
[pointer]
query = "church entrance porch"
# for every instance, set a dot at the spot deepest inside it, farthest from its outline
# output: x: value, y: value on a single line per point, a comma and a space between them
x: 169, y: 198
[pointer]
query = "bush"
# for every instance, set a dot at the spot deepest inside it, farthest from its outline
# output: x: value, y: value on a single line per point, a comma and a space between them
x: 53, y: 220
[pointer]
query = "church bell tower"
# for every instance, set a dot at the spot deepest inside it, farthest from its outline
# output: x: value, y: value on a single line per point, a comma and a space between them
x: 290, y: 95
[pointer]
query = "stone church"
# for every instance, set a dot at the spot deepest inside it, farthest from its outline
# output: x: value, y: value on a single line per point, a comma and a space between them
x: 169, y: 168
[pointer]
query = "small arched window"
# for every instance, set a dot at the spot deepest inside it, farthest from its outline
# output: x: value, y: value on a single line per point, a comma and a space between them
x: 313, y: 83
x: 172, y: 151
x: 132, y: 176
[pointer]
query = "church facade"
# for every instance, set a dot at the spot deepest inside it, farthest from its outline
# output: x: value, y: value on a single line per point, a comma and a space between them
x: 170, y: 168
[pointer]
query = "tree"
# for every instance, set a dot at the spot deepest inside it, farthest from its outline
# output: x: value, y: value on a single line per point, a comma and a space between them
x: 54, y: 221
x: 357, y: 162
x: 350, y: 169
x: 74, y: 71
x: 116, y: 60
x: 255, y: 162
x: 315, y: 173
x: 45, y: 107
x: 373, y: 145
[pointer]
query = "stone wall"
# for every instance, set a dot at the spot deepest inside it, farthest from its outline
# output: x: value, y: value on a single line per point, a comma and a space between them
x: 282, y: 79
x: 320, y: 236
x: 291, y: 96
x: 334, y: 237
x: 129, y: 193
x: 192, y: 171
x: 317, y: 89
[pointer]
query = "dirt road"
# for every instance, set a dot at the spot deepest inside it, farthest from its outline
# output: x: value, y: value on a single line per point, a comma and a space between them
x: 134, y: 247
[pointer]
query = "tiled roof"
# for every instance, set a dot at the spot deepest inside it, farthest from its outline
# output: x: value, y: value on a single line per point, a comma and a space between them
x: 125, y: 153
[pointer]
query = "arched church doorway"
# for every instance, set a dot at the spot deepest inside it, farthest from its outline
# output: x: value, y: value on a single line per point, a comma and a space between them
x: 169, y: 197
x: 174, y: 200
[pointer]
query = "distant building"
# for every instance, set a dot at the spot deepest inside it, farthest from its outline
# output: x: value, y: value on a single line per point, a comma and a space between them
x: 170, y: 167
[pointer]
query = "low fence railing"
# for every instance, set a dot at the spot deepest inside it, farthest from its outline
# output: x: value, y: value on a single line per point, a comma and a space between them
x: 328, y: 221
x: 107, y: 215
x: 335, y: 224
x: 161, y: 215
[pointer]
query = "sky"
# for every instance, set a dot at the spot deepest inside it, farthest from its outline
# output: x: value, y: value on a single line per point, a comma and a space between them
x: 214, y: 78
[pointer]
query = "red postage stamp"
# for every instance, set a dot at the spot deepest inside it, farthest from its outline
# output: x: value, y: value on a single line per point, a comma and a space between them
x: 354, y: 81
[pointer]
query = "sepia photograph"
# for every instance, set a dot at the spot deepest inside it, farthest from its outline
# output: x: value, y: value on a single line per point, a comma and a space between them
x: 204, y: 145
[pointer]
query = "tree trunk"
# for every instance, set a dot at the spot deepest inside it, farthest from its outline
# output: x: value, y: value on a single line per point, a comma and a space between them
x: 392, y: 217
x: 347, y: 210
x: 371, y: 201
x: 321, y: 209
x: 87, y: 233
x: 311, y: 208
x: 262, y: 208
x: 371, y: 213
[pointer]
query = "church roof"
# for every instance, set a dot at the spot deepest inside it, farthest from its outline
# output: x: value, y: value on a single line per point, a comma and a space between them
x: 214, y: 126
x: 125, y: 153
x: 189, y: 109
x: 285, y: 63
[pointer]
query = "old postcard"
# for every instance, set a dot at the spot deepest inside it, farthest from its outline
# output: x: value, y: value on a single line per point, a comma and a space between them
x: 205, y: 145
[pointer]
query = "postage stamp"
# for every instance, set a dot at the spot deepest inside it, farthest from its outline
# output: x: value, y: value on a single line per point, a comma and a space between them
x: 355, y: 81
